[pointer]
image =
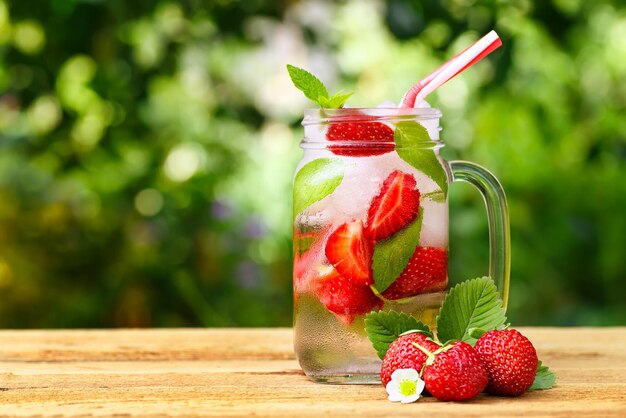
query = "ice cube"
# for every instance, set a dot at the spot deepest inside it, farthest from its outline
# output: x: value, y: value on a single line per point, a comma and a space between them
x: 363, y: 178
x: 434, y: 224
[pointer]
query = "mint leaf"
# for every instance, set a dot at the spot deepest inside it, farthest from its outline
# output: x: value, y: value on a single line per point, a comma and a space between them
x: 391, y: 256
x: 383, y: 328
x: 408, y: 136
x: 436, y: 196
x: 316, y: 180
x: 315, y: 90
x: 304, y: 235
x: 544, y: 379
x: 334, y: 102
x: 306, y: 82
x: 472, y: 304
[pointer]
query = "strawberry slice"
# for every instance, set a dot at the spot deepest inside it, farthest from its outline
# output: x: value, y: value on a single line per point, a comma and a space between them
x: 371, y: 138
x: 396, y: 206
x: 426, y: 272
x: 350, y: 251
x: 304, y: 266
x: 345, y: 298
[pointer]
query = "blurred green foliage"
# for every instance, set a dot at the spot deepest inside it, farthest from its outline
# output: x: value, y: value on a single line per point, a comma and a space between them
x: 147, y: 149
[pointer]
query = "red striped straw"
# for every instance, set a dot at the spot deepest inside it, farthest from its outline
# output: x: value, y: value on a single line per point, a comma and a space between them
x: 463, y: 60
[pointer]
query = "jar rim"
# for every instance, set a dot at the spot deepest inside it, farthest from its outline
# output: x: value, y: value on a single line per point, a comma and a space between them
x: 317, y: 115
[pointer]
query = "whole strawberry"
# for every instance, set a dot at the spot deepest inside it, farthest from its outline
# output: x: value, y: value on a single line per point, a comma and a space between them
x: 510, y: 359
x: 456, y: 374
x: 403, y: 354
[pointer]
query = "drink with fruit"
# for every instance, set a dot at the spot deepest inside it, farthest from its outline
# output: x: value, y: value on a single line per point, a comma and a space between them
x: 371, y: 227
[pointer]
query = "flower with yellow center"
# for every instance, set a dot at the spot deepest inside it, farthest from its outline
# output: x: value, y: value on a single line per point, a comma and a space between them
x: 405, y: 386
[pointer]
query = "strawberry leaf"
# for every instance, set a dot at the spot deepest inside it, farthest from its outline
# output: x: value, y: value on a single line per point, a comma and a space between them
x: 306, y: 82
x: 544, y: 379
x: 471, y: 304
x: 391, y: 256
x: 383, y: 328
x: 476, y: 333
x: 409, y: 136
x: 316, y: 180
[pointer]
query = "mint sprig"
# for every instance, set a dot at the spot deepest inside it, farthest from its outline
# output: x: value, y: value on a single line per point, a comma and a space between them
x: 544, y: 379
x: 315, y: 90
x: 471, y: 304
x: 383, y: 328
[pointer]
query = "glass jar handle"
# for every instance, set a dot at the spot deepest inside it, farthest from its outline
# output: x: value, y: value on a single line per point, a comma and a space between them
x: 498, y: 218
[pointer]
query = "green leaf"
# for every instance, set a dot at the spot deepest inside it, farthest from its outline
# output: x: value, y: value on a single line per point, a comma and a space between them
x: 334, y: 102
x: 544, y: 379
x: 472, y: 304
x: 476, y: 333
x: 409, y: 136
x: 306, y: 82
x: 304, y: 235
x: 383, y: 328
x: 436, y: 196
x: 391, y: 256
x: 316, y: 180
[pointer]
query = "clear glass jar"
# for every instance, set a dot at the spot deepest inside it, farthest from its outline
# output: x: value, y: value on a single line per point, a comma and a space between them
x: 371, y: 231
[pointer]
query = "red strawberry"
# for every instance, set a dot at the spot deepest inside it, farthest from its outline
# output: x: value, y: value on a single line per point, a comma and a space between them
x: 456, y: 374
x: 396, y: 206
x: 403, y: 354
x: 344, y: 298
x: 427, y: 271
x: 350, y: 251
x: 377, y: 136
x: 304, y: 265
x: 510, y: 360
x: 308, y: 254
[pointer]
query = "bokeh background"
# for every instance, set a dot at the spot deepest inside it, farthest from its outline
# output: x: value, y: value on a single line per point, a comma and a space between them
x: 147, y: 149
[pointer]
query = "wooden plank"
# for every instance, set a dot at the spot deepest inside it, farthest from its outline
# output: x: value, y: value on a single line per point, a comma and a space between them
x: 154, y: 344
x: 222, y: 372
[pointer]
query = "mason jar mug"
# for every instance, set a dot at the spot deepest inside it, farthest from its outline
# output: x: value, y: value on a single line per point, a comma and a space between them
x: 371, y: 231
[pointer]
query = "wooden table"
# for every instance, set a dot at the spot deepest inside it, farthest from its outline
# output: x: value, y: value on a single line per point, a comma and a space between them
x: 239, y: 372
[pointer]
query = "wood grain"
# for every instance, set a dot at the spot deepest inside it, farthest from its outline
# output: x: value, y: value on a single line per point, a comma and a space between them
x: 243, y: 372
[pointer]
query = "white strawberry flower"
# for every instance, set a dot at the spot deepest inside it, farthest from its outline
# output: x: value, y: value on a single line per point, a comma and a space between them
x: 405, y: 386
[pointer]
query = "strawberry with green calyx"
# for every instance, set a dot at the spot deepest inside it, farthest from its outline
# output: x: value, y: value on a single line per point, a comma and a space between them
x: 369, y: 137
x: 454, y: 372
x: 510, y: 359
x: 404, y: 354
x: 473, y: 307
